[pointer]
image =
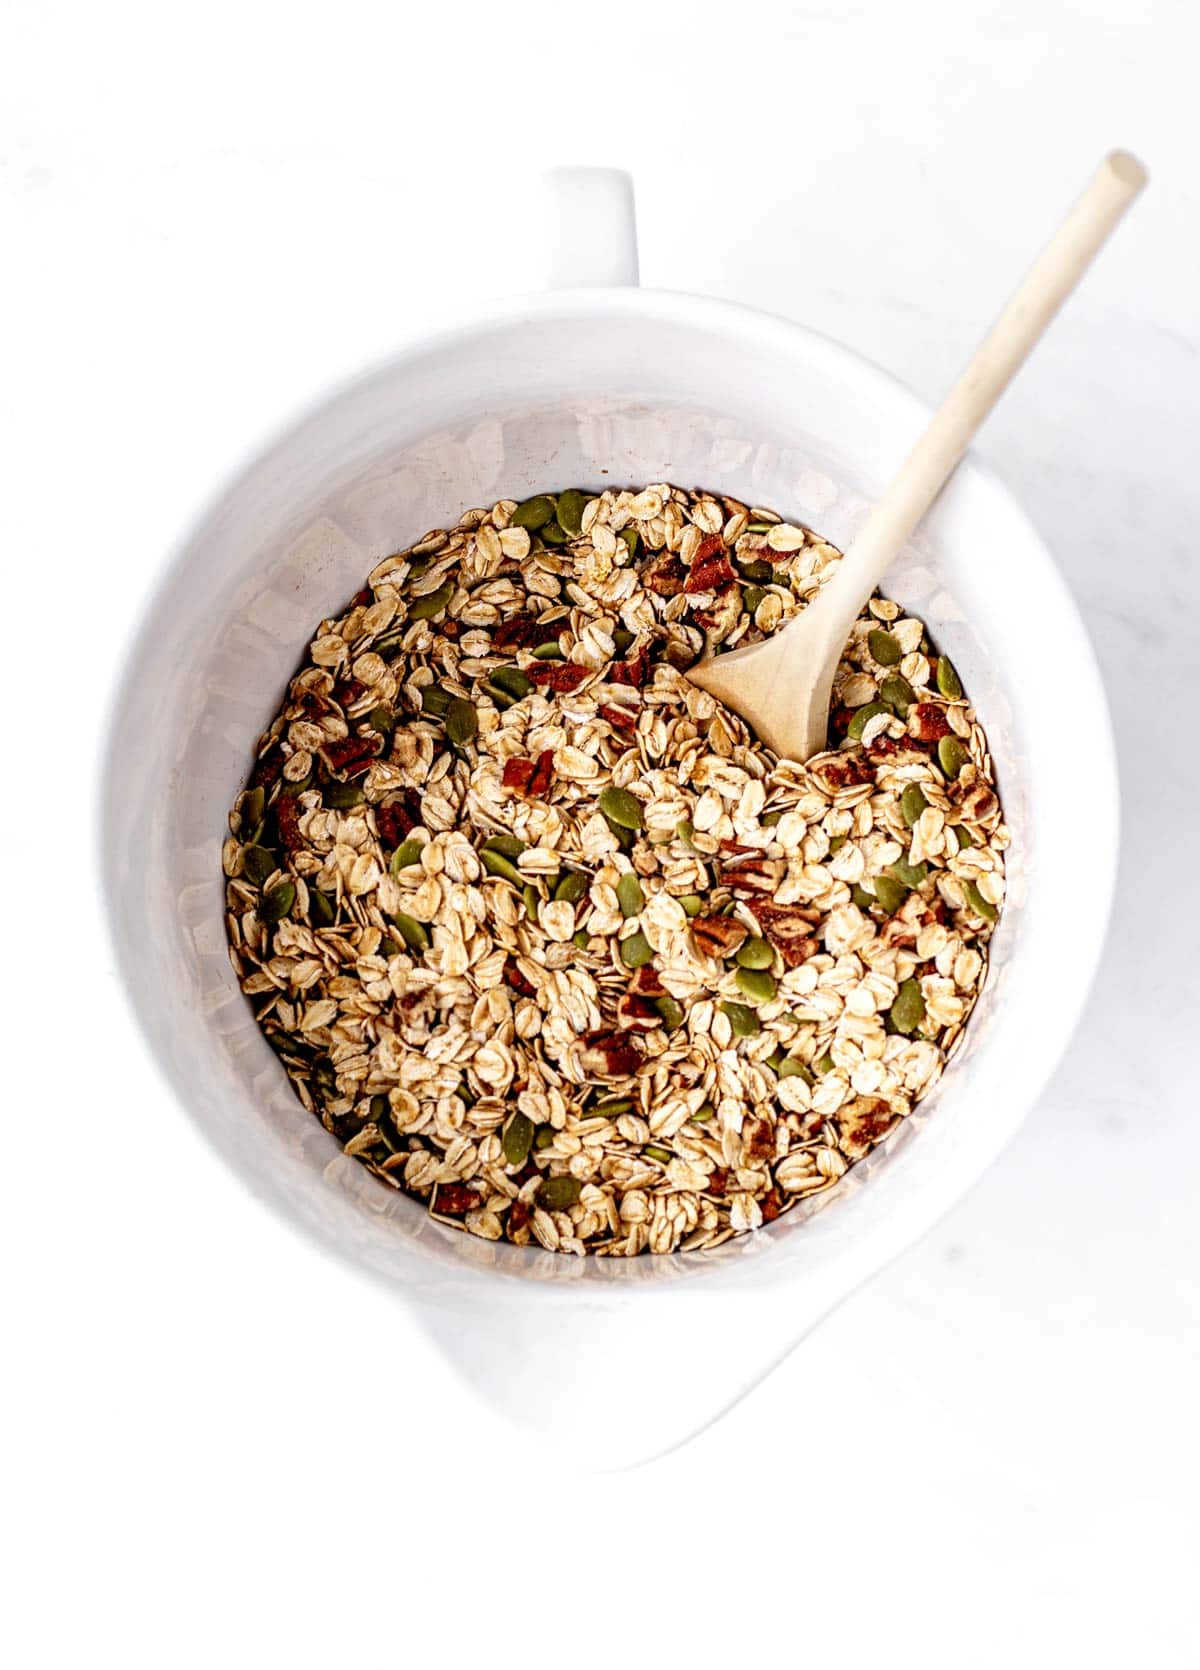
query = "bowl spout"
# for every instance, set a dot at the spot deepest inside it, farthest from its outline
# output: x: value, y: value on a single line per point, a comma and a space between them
x: 613, y: 1384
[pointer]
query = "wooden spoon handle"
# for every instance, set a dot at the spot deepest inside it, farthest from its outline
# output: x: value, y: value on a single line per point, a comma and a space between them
x: 999, y: 357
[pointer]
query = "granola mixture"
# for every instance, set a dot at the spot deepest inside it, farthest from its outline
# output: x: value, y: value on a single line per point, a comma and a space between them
x: 541, y: 932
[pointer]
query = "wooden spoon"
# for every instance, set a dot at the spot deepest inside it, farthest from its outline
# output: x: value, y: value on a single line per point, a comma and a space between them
x: 782, y: 687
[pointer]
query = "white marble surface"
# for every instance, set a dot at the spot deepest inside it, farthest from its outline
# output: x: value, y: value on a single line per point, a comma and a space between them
x: 225, y: 1446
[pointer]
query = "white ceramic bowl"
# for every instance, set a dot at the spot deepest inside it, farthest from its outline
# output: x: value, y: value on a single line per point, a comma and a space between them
x: 594, y: 386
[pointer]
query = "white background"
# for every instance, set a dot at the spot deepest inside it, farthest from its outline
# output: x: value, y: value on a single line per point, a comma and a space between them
x: 222, y: 1449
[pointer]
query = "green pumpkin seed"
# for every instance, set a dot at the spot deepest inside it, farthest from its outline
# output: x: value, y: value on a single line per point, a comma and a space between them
x: 556, y: 1194
x: 623, y: 639
x: 752, y: 596
x: 277, y: 903
x: 898, y: 693
x: 408, y: 852
x: 321, y: 911
x: 743, y: 1021
x: 433, y: 602
x: 549, y: 652
x: 341, y: 796
x: 952, y: 756
x: 508, y: 845
x: 434, y: 701
x: 625, y: 837
x: 684, y: 832
x: 500, y: 698
x: 636, y: 951
x: 629, y: 894
x: 861, y: 897
x: 532, y: 898
x: 671, y: 1011
x: 621, y: 807
x: 552, y: 534
x: 573, y: 887
x: 653, y: 1151
x: 790, y: 1068
x: 912, y: 804
x: 884, y: 647
x: 414, y: 934
x: 692, y: 904
x: 631, y: 540
x: 862, y: 718
x: 948, y: 681
x: 388, y: 947
x: 890, y: 893
x: 703, y: 1113
x: 544, y: 1138
x: 755, y: 953
x: 517, y: 1139
x: 258, y: 864
x: 254, y: 804
x: 756, y: 569
x: 613, y: 1109
x: 823, y: 1065
x: 511, y: 679
x: 964, y: 836
x: 570, y: 511
x: 533, y: 513
x: 908, y: 1011
x: 462, y: 721
x: 756, y: 984
x: 496, y: 864
x: 581, y: 940
x: 977, y: 902
x: 911, y: 875
x: 836, y: 843
x: 771, y: 820
x: 382, y: 719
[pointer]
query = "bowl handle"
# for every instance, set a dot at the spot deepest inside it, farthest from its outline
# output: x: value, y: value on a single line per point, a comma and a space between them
x: 590, y: 229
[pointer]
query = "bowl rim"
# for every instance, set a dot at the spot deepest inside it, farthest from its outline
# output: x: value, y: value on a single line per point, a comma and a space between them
x: 746, y: 326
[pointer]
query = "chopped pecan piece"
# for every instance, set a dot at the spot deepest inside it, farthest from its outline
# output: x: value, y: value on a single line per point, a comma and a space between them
x: 790, y: 930
x: 287, y: 821
x: 638, y: 1013
x: 620, y: 718
x: 518, y: 982
x: 352, y: 755
x: 347, y: 691
x: 928, y: 722
x: 666, y: 575
x: 517, y: 632
x: 517, y: 773
x: 398, y: 817
x: 758, y: 1141
x: 718, y: 936
x: 560, y: 675
x: 543, y: 773
x: 646, y: 982
x: 753, y: 874
x: 718, y: 1181
x: 976, y: 801
x: 455, y: 1198
x: 634, y: 671
x: 770, y: 1207
x: 864, y: 1123
x: 711, y: 569
x: 842, y: 771
x: 608, y: 1055
x: 519, y: 1214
